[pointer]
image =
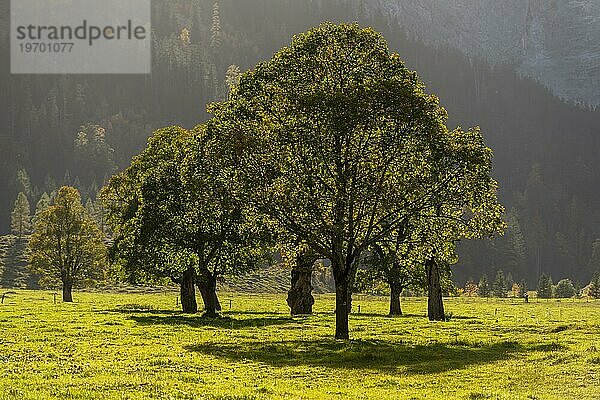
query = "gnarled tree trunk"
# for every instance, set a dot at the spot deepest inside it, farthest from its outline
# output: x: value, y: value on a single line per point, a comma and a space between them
x: 435, y: 304
x: 207, y: 284
x: 188, y: 292
x: 300, y: 298
x: 395, y: 293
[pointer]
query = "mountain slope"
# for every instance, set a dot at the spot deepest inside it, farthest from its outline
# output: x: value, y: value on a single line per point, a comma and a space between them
x: 554, y: 41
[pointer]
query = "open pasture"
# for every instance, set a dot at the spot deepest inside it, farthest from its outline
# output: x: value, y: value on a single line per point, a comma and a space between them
x: 129, y: 346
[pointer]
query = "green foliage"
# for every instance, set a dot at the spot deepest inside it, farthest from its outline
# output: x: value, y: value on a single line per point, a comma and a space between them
x: 14, y: 262
x: 93, y: 154
x: 544, y: 288
x: 66, y: 244
x: 215, y: 40
x: 500, y: 286
x: 471, y: 289
x: 564, y: 289
x: 41, y: 205
x: 232, y: 76
x: 140, y: 240
x: 21, y: 216
x: 517, y: 249
x: 483, y: 288
x: 370, y: 281
x: 594, y: 263
x: 390, y: 260
x: 24, y: 182
x: 343, y: 147
x: 179, y: 204
x: 523, y: 288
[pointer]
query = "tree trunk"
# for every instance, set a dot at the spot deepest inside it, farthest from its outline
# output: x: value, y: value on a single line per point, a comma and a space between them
x: 341, y: 303
x: 395, y: 293
x: 207, y: 284
x: 188, y: 292
x: 67, y: 290
x: 435, y: 305
x: 350, y: 285
x: 341, y: 311
x: 300, y: 298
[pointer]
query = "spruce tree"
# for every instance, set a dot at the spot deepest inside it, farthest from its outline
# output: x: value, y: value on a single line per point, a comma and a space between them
x: 483, y: 288
x: 215, y: 40
x: 21, y: 216
x: 23, y: 181
x: 232, y: 76
x: 41, y: 205
x: 594, y: 262
x: 499, y: 287
x: 544, y: 289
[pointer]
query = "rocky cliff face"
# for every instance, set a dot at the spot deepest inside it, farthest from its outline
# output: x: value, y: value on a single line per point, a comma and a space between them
x: 556, y: 42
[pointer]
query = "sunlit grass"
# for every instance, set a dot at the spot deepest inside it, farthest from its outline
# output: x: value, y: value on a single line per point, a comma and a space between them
x: 140, y: 346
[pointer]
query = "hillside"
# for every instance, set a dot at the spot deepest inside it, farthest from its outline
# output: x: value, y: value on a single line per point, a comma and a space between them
x: 554, y: 42
x: 276, y: 279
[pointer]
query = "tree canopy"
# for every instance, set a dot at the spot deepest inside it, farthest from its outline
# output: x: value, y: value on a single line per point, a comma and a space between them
x: 342, y: 146
x: 177, y: 212
x: 544, y: 287
x: 66, y: 245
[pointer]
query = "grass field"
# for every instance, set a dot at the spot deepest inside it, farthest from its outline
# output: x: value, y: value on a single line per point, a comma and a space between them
x: 125, y: 346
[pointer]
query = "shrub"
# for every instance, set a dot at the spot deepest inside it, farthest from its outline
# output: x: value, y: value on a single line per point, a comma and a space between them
x: 564, y: 289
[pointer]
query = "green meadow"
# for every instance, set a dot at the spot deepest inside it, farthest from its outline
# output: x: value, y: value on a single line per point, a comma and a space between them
x: 129, y: 346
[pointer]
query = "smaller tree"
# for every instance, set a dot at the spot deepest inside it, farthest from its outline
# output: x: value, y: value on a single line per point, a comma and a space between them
x: 483, y: 288
x: 471, y: 289
x: 510, y: 282
x: 41, y: 205
x: 499, y: 288
x: 66, y: 245
x: 564, y: 289
x: 20, y: 217
x: 391, y: 261
x: 594, y: 290
x: 523, y: 288
x: 594, y: 262
x: 544, y: 289
x: 232, y: 76
x: 515, y: 289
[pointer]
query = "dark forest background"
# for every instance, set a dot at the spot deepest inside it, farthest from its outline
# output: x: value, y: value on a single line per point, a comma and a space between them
x: 80, y: 129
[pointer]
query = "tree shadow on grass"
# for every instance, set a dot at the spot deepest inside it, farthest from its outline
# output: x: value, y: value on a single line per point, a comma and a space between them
x: 142, y: 311
x: 363, y: 354
x: 196, y: 321
x: 244, y: 312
